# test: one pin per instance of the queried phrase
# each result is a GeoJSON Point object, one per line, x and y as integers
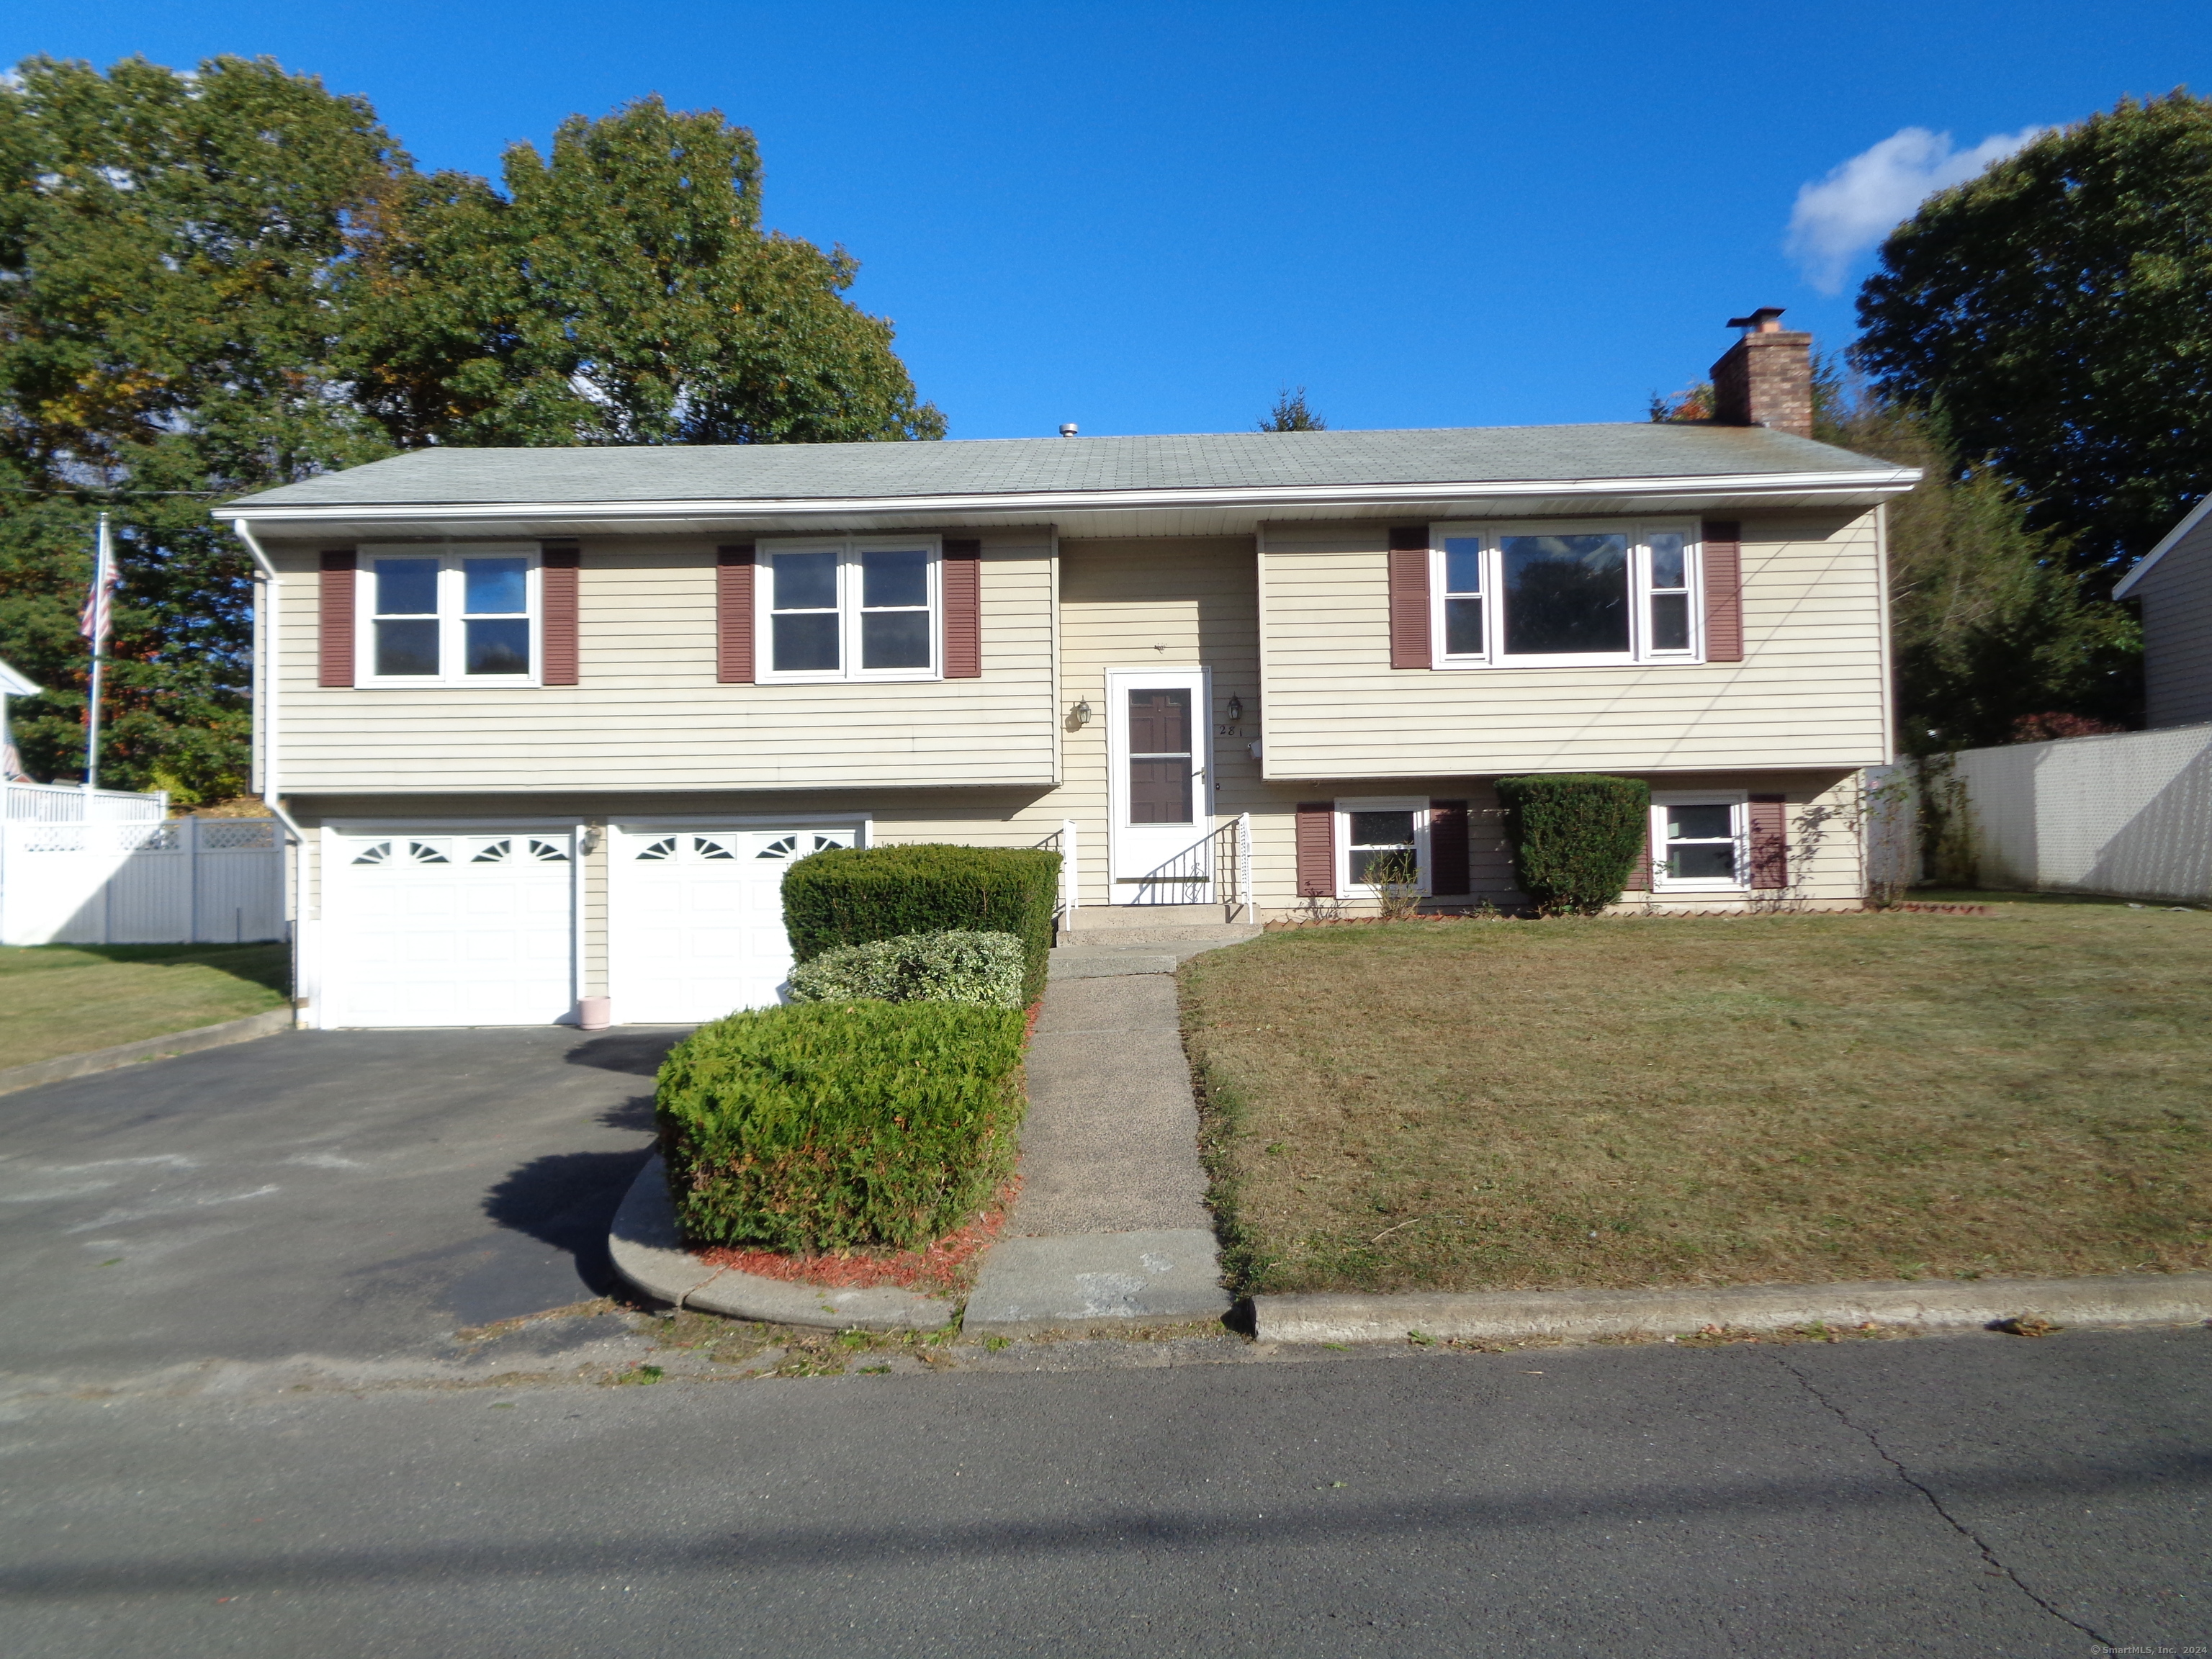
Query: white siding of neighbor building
{"type": "Point", "coordinates": [2177, 619]}
{"type": "Point", "coordinates": [2129, 814]}
{"type": "Point", "coordinates": [648, 712]}
{"type": "Point", "coordinates": [1810, 692]}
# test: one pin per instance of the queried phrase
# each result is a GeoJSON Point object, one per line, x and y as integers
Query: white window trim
{"type": "Point", "coordinates": [1639, 653]}
{"type": "Point", "coordinates": [452, 636]}
{"type": "Point", "coordinates": [1738, 801]}
{"type": "Point", "coordinates": [848, 549]}
{"type": "Point", "coordinates": [1346, 806]}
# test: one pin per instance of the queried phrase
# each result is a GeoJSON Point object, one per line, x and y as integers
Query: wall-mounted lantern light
{"type": "Point", "coordinates": [1080, 713]}
{"type": "Point", "coordinates": [1235, 710]}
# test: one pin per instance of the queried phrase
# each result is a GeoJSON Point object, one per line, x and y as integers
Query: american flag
{"type": "Point", "coordinates": [97, 620]}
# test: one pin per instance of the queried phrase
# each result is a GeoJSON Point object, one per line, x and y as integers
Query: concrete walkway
{"type": "Point", "coordinates": [1112, 1225]}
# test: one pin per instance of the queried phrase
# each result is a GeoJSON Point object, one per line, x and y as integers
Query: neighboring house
{"type": "Point", "coordinates": [12, 685]}
{"type": "Point", "coordinates": [2174, 581]}
{"type": "Point", "coordinates": [553, 722]}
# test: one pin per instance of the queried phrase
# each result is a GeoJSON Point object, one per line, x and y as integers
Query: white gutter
{"type": "Point", "coordinates": [1886, 480]}
{"type": "Point", "coordinates": [266, 663]}
{"type": "Point", "coordinates": [2141, 566]}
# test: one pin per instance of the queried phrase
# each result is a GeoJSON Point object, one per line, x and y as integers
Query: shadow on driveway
{"type": "Point", "coordinates": [568, 1200]}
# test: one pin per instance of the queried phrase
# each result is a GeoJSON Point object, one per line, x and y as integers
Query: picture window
{"type": "Point", "coordinates": [1563, 596]}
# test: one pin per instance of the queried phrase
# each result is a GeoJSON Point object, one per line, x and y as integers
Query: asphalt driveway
{"type": "Point", "coordinates": [354, 1196]}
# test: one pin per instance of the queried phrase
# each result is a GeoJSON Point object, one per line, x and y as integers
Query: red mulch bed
{"type": "Point", "coordinates": [940, 1267]}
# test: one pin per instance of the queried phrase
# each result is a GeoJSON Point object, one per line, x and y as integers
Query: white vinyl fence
{"type": "Point", "coordinates": [67, 803]}
{"type": "Point", "coordinates": [2128, 815]}
{"type": "Point", "coordinates": [179, 881]}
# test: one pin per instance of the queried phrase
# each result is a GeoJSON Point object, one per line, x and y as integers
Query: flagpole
{"type": "Point", "coordinates": [99, 579]}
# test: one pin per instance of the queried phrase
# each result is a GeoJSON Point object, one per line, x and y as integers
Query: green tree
{"type": "Point", "coordinates": [166, 339]}
{"type": "Point", "coordinates": [214, 282]}
{"type": "Point", "coordinates": [1291, 413]}
{"type": "Point", "coordinates": [620, 292]}
{"type": "Point", "coordinates": [2057, 310]}
{"type": "Point", "coordinates": [1990, 625]}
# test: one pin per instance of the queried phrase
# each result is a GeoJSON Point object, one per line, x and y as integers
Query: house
{"type": "Point", "coordinates": [12, 685]}
{"type": "Point", "coordinates": [2174, 581]}
{"type": "Point", "coordinates": [551, 723]}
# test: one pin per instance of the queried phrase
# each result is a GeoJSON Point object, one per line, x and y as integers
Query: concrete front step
{"type": "Point", "coordinates": [1081, 937]}
{"type": "Point", "coordinates": [1100, 918]}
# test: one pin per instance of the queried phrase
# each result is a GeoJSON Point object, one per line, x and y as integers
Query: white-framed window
{"type": "Point", "coordinates": [1381, 837]}
{"type": "Point", "coordinates": [1700, 841]}
{"type": "Point", "coordinates": [849, 608]}
{"type": "Point", "coordinates": [1564, 595]}
{"type": "Point", "coordinates": [451, 615]}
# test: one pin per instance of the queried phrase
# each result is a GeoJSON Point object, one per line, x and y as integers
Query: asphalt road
{"type": "Point", "coordinates": [176, 1235]}
{"type": "Point", "coordinates": [342, 1196]}
{"type": "Point", "coordinates": [1976, 1496]}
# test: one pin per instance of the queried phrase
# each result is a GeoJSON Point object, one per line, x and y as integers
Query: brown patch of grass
{"type": "Point", "coordinates": [1806, 1098]}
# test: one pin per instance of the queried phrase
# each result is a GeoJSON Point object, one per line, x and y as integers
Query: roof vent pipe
{"type": "Point", "coordinates": [1068, 429]}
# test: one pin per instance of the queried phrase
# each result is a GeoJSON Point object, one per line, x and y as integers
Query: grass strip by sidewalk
{"type": "Point", "coordinates": [58, 999]}
{"type": "Point", "coordinates": [1617, 1103]}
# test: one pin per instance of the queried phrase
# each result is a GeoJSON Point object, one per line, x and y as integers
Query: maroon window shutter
{"type": "Point", "coordinates": [1316, 849]}
{"type": "Point", "coordinates": [557, 629]}
{"type": "Point", "coordinates": [1448, 861]}
{"type": "Point", "coordinates": [1640, 872]}
{"type": "Point", "coordinates": [1770, 842]}
{"type": "Point", "coordinates": [961, 588]}
{"type": "Point", "coordinates": [1409, 596]}
{"type": "Point", "coordinates": [336, 626]}
{"type": "Point", "coordinates": [1723, 545]}
{"type": "Point", "coordinates": [733, 614]}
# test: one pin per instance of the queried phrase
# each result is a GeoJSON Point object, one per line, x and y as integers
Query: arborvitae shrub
{"type": "Point", "coordinates": [851, 896]}
{"type": "Point", "coordinates": [1575, 835]}
{"type": "Point", "coordinates": [831, 1126]}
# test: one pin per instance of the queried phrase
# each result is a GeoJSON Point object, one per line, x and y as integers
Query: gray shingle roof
{"type": "Point", "coordinates": [1023, 465]}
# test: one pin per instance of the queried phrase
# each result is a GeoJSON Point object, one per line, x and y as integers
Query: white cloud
{"type": "Point", "coordinates": [1863, 201]}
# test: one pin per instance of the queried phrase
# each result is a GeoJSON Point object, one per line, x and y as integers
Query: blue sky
{"type": "Point", "coordinates": [1148, 218]}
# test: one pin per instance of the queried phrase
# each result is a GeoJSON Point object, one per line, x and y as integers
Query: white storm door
{"type": "Point", "coordinates": [695, 920]}
{"type": "Point", "coordinates": [1160, 785]}
{"type": "Point", "coordinates": [441, 927]}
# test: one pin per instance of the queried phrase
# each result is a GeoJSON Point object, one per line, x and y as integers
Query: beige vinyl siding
{"type": "Point", "coordinates": [648, 712]}
{"type": "Point", "coordinates": [1810, 691]}
{"type": "Point", "coordinates": [2177, 618]}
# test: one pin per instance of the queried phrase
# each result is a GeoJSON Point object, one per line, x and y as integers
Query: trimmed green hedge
{"type": "Point", "coordinates": [948, 967]}
{"type": "Point", "coordinates": [831, 1126]}
{"type": "Point", "coordinates": [1575, 835]}
{"type": "Point", "coordinates": [851, 896]}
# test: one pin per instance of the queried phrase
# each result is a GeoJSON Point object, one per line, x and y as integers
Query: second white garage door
{"type": "Point", "coordinates": [695, 919]}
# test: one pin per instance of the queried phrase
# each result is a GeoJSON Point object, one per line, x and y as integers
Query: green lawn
{"type": "Point", "coordinates": [1612, 1102]}
{"type": "Point", "coordinates": [67, 999]}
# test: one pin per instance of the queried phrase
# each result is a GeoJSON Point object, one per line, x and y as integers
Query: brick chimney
{"type": "Point", "coordinates": [1766, 378]}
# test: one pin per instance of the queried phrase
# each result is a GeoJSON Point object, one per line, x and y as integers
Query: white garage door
{"type": "Point", "coordinates": [695, 919]}
{"type": "Point", "coordinates": [436, 928]}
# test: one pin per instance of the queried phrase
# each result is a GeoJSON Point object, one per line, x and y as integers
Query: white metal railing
{"type": "Point", "coordinates": [62, 803]}
{"type": "Point", "coordinates": [1062, 842]}
{"type": "Point", "coordinates": [1214, 870]}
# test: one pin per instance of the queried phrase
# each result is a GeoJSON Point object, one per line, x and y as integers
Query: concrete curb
{"type": "Point", "coordinates": [60, 1070]}
{"type": "Point", "coordinates": [1080, 1281]}
{"type": "Point", "coordinates": [648, 1253]}
{"type": "Point", "coordinates": [1951, 1304]}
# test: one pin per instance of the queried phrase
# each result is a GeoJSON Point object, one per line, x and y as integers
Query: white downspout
{"type": "Point", "coordinates": [267, 663]}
